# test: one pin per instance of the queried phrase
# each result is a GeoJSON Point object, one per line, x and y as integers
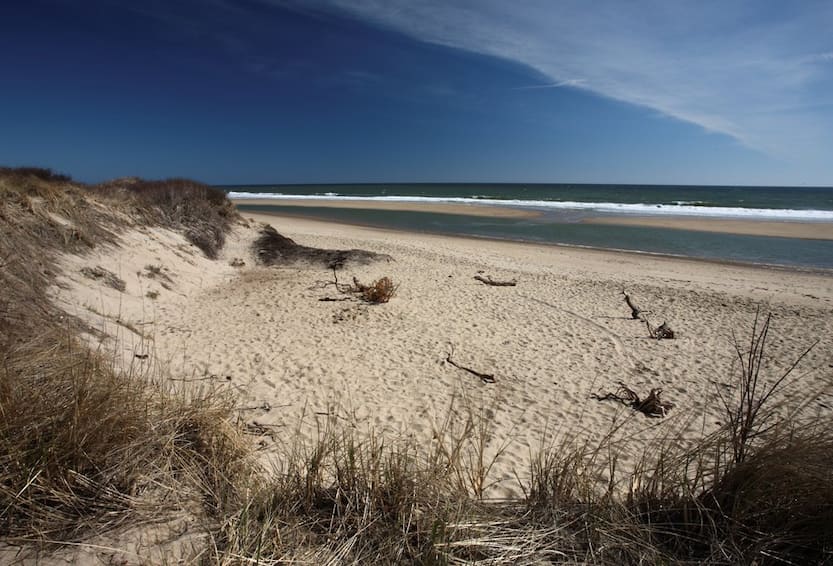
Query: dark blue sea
{"type": "Point", "coordinates": [564, 206]}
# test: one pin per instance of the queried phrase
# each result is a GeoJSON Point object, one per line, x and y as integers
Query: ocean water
{"type": "Point", "coordinates": [564, 206]}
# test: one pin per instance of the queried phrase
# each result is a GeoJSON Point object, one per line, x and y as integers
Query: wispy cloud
{"type": "Point", "coordinates": [821, 56]}
{"type": "Point", "coordinates": [726, 66]}
{"type": "Point", "coordinates": [559, 84]}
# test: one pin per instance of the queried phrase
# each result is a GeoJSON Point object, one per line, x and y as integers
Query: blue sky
{"type": "Point", "coordinates": [268, 91]}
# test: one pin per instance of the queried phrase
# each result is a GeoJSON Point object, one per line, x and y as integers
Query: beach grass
{"type": "Point", "coordinates": [88, 449]}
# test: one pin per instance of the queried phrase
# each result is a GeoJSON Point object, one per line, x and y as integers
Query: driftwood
{"type": "Point", "coordinates": [635, 311]}
{"type": "Point", "coordinates": [661, 332]}
{"type": "Point", "coordinates": [484, 377]}
{"type": "Point", "coordinates": [489, 281]}
{"type": "Point", "coordinates": [651, 406]}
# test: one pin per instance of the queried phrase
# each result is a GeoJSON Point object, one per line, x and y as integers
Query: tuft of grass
{"type": "Point", "coordinates": [345, 497]}
{"type": "Point", "coordinates": [356, 498]}
{"type": "Point", "coordinates": [750, 415]}
{"type": "Point", "coordinates": [85, 449]}
{"type": "Point", "coordinates": [759, 489]}
{"type": "Point", "coordinates": [108, 277]}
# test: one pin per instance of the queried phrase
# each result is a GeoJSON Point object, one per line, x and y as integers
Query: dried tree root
{"type": "Point", "coordinates": [635, 311]}
{"type": "Point", "coordinates": [661, 332]}
{"type": "Point", "coordinates": [651, 406]}
{"type": "Point", "coordinates": [484, 377]}
{"type": "Point", "coordinates": [489, 281]}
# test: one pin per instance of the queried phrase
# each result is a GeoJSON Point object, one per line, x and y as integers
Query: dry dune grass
{"type": "Point", "coordinates": [353, 498]}
{"type": "Point", "coordinates": [202, 213]}
{"type": "Point", "coordinates": [85, 449]}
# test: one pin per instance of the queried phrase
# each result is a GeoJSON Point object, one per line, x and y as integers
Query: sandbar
{"type": "Point", "coordinates": [780, 229]}
{"type": "Point", "coordinates": [436, 208]}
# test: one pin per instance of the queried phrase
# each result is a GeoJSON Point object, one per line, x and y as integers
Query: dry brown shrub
{"type": "Point", "coordinates": [380, 291]}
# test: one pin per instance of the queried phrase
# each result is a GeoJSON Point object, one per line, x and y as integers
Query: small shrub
{"type": "Point", "coordinates": [380, 291]}
{"type": "Point", "coordinates": [153, 270]}
{"type": "Point", "coordinates": [157, 272]}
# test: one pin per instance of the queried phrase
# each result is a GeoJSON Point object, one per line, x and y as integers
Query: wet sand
{"type": "Point", "coordinates": [437, 208]}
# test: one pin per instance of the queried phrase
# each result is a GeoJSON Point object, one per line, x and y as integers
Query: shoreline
{"type": "Point", "coordinates": [264, 216]}
{"type": "Point", "coordinates": [797, 229]}
{"type": "Point", "coordinates": [484, 210]}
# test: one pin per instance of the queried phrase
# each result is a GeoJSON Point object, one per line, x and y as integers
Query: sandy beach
{"type": "Point", "coordinates": [558, 337]}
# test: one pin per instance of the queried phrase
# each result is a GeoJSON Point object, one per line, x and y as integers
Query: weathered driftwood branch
{"type": "Point", "coordinates": [489, 281]}
{"type": "Point", "coordinates": [661, 332]}
{"type": "Point", "coordinates": [651, 406]}
{"type": "Point", "coordinates": [635, 311]}
{"type": "Point", "coordinates": [484, 377]}
{"type": "Point", "coordinates": [340, 287]}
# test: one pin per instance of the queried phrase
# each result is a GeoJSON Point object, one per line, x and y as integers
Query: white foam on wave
{"type": "Point", "coordinates": [640, 209]}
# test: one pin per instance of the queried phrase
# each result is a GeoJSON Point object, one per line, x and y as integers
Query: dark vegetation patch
{"type": "Point", "coordinates": [273, 248]}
